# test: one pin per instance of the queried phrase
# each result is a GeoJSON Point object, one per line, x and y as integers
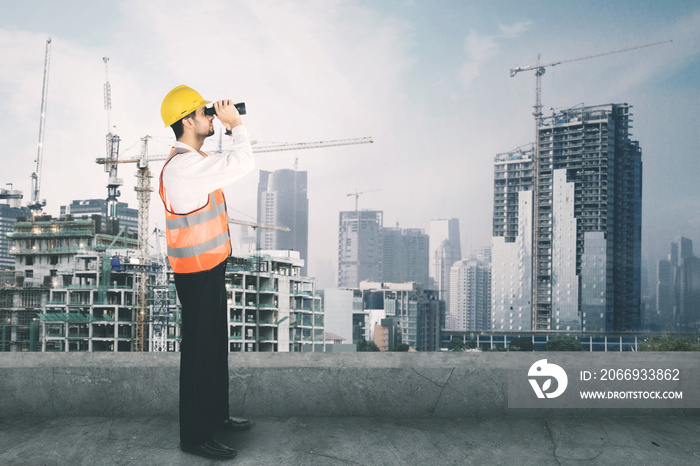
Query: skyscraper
{"type": "Point", "coordinates": [689, 306]}
{"type": "Point", "coordinates": [511, 253]}
{"type": "Point", "coordinates": [664, 291]}
{"type": "Point", "coordinates": [681, 248]}
{"type": "Point", "coordinates": [404, 256]}
{"type": "Point", "coordinates": [445, 250]}
{"type": "Point", "coordinates": [282, 202]}
{"type": "Point", "coordinates": [470, 296]}
{"type": "Point", "coordinates": [359, 247]}
{"type": "Point", "coordinates": [587, 223]}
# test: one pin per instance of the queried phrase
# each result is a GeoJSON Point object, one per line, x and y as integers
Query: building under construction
{"type": "Point", "coordinates": [573, 265]}
{"type": "Point", "coordinates": [77, 288]}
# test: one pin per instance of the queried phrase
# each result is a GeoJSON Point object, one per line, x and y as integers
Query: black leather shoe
{"type": "Point", "coordinates": [233, 423]}
{"type": "Point", "coordinates": [212, 449]}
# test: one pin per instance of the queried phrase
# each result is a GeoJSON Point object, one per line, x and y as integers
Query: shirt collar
{"type": "Point", "coordinates": [184, 146]}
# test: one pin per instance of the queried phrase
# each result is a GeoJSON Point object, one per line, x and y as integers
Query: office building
{"type": "Point", "coordinates": [359, 247]}
{"type": "Point", "coordinates": [9, 213]}
{"type": "Point", "coordinates": [404, 255]}
{"type": "Point", "coordinates": [664, 292]}
{"type": "Point", "coordinates": [283, 202]}
{"type": "Point", "coordinates": [445, 250]}
{"type": "Point", "coordinates": [689, 305]}
{"type": "Point", "coordinates": [681, 248]}
{"type": "Point", "coordinates": [584, 220]}
{"type": "Point", "coordinates": [470, 296]}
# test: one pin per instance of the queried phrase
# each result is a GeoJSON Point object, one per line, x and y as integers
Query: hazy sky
{"type": "Point", "coordinates": [428, 80]}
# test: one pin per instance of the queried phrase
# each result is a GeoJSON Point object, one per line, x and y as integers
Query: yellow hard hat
{"type": "Point", "coordinates": [179, 103]}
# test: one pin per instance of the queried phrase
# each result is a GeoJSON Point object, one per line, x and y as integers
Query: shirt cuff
{"type": "Point", "coordinates": [239, 130]}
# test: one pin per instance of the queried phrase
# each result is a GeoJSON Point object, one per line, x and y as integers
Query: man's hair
{"type": "Point", "coordinates": [177, 127]}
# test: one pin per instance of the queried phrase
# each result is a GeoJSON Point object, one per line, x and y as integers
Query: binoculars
{"type": "Point", "coordinates": [239, 106]}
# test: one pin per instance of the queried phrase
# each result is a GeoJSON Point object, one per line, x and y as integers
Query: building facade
{"type": "Point", "coordinates": [283, 202]}
{"type": "Point", "coordinates": [272, 306]}
{"type": "Point", "coordinates": [511, 250]}
{"type": "Point", "coordinates": [404, 256]}
{"type": "Point", "coordinates": [360, 252]}
{"type": "Point", "coordinates": [9, 213]}
{"type": "Point", "coordinates": [445, 250]}
{"type": "Point", "coordinates": [470, 296]}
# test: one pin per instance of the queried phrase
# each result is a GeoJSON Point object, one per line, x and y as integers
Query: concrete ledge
{"type": "Point", "coordinates": [283, 385]}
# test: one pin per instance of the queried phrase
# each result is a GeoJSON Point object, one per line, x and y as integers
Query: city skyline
{"type": "Point", "coordinates": [430, 85]}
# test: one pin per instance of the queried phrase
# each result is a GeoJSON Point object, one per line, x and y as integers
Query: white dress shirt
{"type": "Point", "coordinates": [189, 178]}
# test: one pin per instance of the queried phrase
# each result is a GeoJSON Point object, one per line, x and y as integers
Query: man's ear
{"type": "Point", "coordinates": [187, 123]}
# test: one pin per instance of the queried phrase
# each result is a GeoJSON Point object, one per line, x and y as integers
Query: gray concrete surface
{"type": "Point", "coordinates": [384, 385]}
{"type": "Point", "coordinates": [643, 440]}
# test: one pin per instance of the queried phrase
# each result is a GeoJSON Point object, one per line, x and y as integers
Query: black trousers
{"type": "Point", "coordinates": [203, 353]}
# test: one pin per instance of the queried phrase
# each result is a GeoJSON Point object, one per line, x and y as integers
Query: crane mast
{"type": "Point", "coordinates": [112, 153]}
{"type": "Point", "coordinates": [35, 204]}
{"type": "Point", "coordinates": [143, 193]}
{"type": "Point", "coordinates": [541, 280]}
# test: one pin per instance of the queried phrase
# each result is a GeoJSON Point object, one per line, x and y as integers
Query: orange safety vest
{"type": "Point", "coordinates": [198, 240]}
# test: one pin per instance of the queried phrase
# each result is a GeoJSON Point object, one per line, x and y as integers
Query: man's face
{"type": "Point", "coordinates": [203, 124]}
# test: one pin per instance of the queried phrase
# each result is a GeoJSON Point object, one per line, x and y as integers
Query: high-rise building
{"type": "Point", "coordinates": [445, 250]}
{"type": "Point", "coordinates": [404, 256]}
{"type": "Point", "coordinates": [88, 207]}
{"type": "Point", "coordinates": [470, 296]}
{"type": "Point", "coordinates": [681, 248]}
{"type": "Point", "coordinates": [282, 202]}
{"type": "Point", "coordinates": [689, 305]}
{"type": "Point", "coordinates": [359, 247]}
{"type": "Point", "coordinates": [585, 223]}
{"type": "Point", "coordinates": [664, 291]}
{"type": "Point", "coordinates": [9, 213]}
{"type": "Point", "coordinates": [511, 252]}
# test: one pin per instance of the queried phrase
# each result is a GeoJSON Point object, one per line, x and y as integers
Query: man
{"type": "Point", "coordinates": [198, 243]}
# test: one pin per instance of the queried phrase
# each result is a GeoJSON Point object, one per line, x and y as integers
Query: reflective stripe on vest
{"type": "Point", "coordinates": [198, 240]}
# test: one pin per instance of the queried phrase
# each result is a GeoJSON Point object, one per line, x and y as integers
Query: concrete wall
{"type": "Point", "coordinates": [396, 385]}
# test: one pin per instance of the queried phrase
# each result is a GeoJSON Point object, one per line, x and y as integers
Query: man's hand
{"type": "Point", "coordinates": [227, 113]}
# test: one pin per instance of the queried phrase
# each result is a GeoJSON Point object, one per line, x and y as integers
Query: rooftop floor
{"type": "Point", "coordinates": [669, 440]}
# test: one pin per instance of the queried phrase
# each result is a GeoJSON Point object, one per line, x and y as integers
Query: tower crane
{"type": "Point", "coordinates": [540, 299]}
{"type": "Point", "coordinates": [143, 189]}
{"type": "Point", "coordinates": [35, 204]}
{"type": "Point", "coordinates": [357, 195]}
{"type": "Point", "coordinates": [112, 152]}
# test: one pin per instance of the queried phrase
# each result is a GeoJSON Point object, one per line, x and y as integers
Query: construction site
{"type": "Point", "coordinates": [79, 289]}
{"type": "Point", "coordinates": [82, 283]}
